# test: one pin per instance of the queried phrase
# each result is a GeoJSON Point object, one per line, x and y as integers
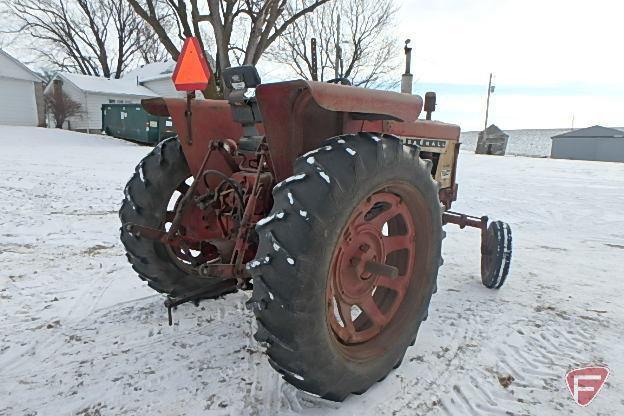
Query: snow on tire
{"type": "Point", "coordinates": [146, 196]}
{"type": "Point", "coordinates": [496, 261]}
{"type": "Point", "coordinates": [326, 219]}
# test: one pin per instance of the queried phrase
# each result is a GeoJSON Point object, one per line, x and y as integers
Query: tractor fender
{"type": "Point", "coordinates": [211, 119]}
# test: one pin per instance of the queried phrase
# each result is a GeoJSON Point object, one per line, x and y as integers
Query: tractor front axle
{"type": "Point", "coordinates": [464, 220]}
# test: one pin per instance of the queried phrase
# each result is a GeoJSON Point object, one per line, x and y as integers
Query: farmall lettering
{"type": "Point", "coordinates": [426, 144]}
{"type": "Point", "coordinates": [441, 152]}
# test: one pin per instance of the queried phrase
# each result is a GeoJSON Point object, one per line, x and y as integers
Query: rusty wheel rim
{"type": "Point", "coordinates": [371, 268]}
{"type": "Point", "coordinates": [187, 256]}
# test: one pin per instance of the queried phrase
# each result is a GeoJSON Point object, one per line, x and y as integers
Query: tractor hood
{"type": "Point", "coordinates": [376, 104]}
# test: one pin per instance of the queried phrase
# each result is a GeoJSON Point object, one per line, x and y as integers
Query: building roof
{"type": "Point", "coordinates": [591, 132]}
{"type": "Point", "coordinates": [158, 70]}
{"type": "Point", "coordinates": [100, 85]}
{"type": "Point", "coordinates": [151, 72]}
{"type": "Point", "coordinates": [18, 71]}
{"type": "Point", "coordinates": [494, 131]}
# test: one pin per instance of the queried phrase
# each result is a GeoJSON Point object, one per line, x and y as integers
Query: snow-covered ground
{"type": "Point", "coordinates": [80, 333]}
{"type": "Point", "coordinates": [525, 142]}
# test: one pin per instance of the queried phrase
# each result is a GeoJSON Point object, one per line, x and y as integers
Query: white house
{"type": "Point", "coordinates": [148, 81]}
{"type": "Point", "coordinates": [21, 98]}
{"type": "Point", "coordinates": [91, 92]}
{"type": "Point", "coordinates": [156, 77]}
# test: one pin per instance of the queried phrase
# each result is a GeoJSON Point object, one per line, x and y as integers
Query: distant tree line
{"type": "Point", "coordinates": [107, 37]}
{"type": "Point", "coordinates": [354, 40]}
{"type": "Point", "coordinates": [90, 37]}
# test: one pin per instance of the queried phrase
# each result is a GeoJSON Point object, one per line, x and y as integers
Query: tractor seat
{"type": "Point", "coordinates": [238, 80]}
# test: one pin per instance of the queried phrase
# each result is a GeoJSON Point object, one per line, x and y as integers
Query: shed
{"type": "Point", "coordinates": [492, 141]}
{"type": "Point", "coordinates": [592, 143]}
{"type": "Point", "coordinates": [22, 93]}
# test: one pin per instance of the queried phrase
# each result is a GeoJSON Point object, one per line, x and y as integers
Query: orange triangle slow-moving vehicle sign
{"type": "Point", "coordinates": [192, 71]}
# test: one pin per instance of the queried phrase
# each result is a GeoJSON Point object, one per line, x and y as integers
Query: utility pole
{"type": "Point", "coordinates": [487, 108]}
{"type": "Point", "coordinates": [337, 73]}
{"type": "Point", "coordinates": [314, 60]}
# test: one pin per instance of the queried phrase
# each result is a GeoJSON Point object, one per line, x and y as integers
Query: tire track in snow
{"type": "Point", "coordinates": [457, 323]}
{"type": "Point", "coordinates": [536, 361]}
{"type": "Point", "coordinates": [263, 395]}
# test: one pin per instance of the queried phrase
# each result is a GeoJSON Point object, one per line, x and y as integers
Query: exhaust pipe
{"type": "Point", "coordinates": [407, 79]}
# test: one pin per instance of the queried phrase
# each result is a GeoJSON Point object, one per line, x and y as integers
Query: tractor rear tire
{"type": "Point", "coordinates": [305, 269]}
{"type": "Point", "coordinates": [147, 195]}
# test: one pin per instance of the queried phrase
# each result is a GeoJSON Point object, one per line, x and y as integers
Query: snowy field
{"type": "Point", "coordinates": [81, 335]}
{"type": "Point", "coordinates": [530, 142]}
{"type": "Point", "coordinates": [526, 142]}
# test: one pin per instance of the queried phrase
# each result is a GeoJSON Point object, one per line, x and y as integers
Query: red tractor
{"type": "Point", "coordinates": [326, 200]}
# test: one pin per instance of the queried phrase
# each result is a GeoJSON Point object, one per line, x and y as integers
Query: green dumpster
{"type": "Point", "coordinates": [132, 122]}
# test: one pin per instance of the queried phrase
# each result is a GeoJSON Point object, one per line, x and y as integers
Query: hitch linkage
{"type": "Point", "coordinates": [210, 292]}
{"type": "Point", "coordinates": [172, 303]}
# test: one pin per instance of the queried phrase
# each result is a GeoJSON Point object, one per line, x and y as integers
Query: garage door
{"type": "Point", "coordinates": [18, 106]}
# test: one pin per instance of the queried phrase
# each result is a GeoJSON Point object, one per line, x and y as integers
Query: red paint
{"type": "Point", "coordinates": [351, 281]}
{"type": "Point", "coordinates": [297, 117]}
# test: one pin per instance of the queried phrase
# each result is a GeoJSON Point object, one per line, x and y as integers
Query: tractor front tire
{"type": "Point", "coordinates": [347, 263]}
{"type": "Point", "coordinates": [146, 198]}
{"type": "Point", "coordinates": [496, 260]}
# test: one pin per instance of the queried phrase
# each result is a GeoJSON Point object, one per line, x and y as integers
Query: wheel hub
{"type": "Point", "coordinates": [356, 250]}
{"type": "Point", "coordinates": [366, 283]}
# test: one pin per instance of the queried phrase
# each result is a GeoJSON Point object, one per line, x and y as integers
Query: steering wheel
{"type": "Point", "coordinates": [341, 81]}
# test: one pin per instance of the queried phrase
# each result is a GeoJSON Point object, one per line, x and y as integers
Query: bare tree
{"type": "Point", "coordinates": [47, 75]}
{"type": "Point", "coordinates": [242, 29]}
{"type": "Point", "coordinates": [61, 106]}
{"type": "Point", "coordinates": [101, 38]}
{"type": "Point", "coordinates": [152, 50]}
{"type": "Point", "coordinates": [368, 50]}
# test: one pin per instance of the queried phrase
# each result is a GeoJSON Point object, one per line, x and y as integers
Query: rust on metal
{"type": "Point", "coordinates": [155, 106]}
{"type": "Point", "coordinates": [292, 110]}
{"type": "Point", "coordinates": [187, 198]}
{"type": "Point", "coordinates": [423, 129]}
{"type": "Point", "coordinates": [147, 232]}
{"type": "Point", "coordinates": [212, 120]}
{"type": "Point", "coordinates": [297, 116]}
{"type": "Point", "coordinates": [241, 245]}
{"type": "Point", "coordinates": [348, 99]}
{"type": "Point", "coordinates": [464, 220]}
{"type": "Point", "coordinates": [360, 275]}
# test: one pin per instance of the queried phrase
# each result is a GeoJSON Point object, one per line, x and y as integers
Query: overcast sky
{"type": "Point", "coordinates": [552, 59]}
